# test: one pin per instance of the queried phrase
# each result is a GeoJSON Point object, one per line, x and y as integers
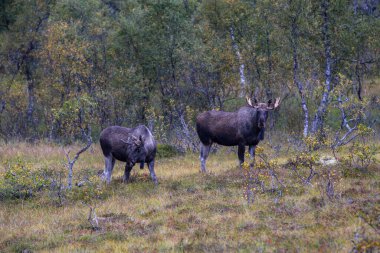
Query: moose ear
{"type": "Point", "coordinates": [137, 140]}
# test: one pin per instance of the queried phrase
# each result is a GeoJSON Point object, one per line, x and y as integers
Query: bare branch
{"type": "Point", "coordinates": [341, 141]}
{"type": "Point", "coordinates": [272, 171]}
{"type": "Point", "coordinates": [71, 162]}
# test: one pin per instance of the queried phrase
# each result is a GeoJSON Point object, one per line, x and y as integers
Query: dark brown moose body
{"type": "Point", "coordinates": [245, 127]}
{"type": "Point", "coordinates": [130, 145]}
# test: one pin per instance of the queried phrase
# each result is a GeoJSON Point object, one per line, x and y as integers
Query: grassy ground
{"type": "Point", "coordinates": [188, 211]}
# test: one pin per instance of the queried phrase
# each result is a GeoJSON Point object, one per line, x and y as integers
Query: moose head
{"type": "Point", "coordinates": [262, 110]}
{"type": "Point", "coordinates": [134, 148]}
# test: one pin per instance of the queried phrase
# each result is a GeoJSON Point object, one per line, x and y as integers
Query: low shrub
{"type": "Point", "coordinates": [167, 151]}
{"type": "Point", "coordinates": [20, 182]}
{"type": "Point", "coordinates": [361, 156]}
{"type": "Point", "coordinates": [88, 190]}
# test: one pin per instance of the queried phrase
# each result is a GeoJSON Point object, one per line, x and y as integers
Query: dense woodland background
{"type": "Point", "coordinates": [68, 65]}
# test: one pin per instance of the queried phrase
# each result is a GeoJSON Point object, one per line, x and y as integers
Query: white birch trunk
{"type": "Point", "coordinates": [241, 64]}
{"type": "Point", "coordinates": [318, 118]}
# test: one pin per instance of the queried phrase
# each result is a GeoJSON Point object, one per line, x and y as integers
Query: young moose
{"type": "Point", "coordinates": [130, 145]}
{"type": "Point", "coordinates": [245, 127]}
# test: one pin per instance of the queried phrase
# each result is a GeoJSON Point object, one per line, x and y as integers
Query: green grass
{"type": "Point", "coordinates": [188, 211]}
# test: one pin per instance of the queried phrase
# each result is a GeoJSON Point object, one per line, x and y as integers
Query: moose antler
{"type": "Point", "coordinates": [133, 139]}
{"type": "Point", "coordinates": [126, 142]}
{"type": "Point", "coordinates": [248, 100]}
{"type": "Point", "coordinates": [276, 104]}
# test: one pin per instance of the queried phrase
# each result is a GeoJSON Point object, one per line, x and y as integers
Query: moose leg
{"type": "Point", "coordinates": [241, 151]}
{"type": "Point", "coordinates": [127, 172]}
{"type": "Point", "coordinates": [110, 163]}
{"type": "Point", "coordinates": [252, 149]}
{"type": "Point", "coordinates": [205, 149]}
{"type": "Point", "coordinates": [142, 165]}
{"type": "Point", "coordinates": [152, 174]}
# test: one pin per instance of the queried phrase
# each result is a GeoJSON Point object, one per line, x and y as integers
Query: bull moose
{"type": "Point", "coordinates": [130, 145]}
{"type": "Point", "coordinates": [245, 127]}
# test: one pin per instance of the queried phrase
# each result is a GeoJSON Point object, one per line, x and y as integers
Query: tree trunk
{"type": "Point", "coordinates": [293, 41]}
{"type": "Point", "coordinates": [358, 77]}
{"type": "Point", "coordinates": [355, 5]}
{"type": "Point", "coordinates": [344, 122]}
{"type": "Point", "coordinates": [268, 90]}
{"type": "Point", "coordinates": [319, 115]}
{"type": "Point", "coordinates": [186, 5]}
{"type": "Point", "coordinates": [241, 63]}
{"type": "Point", "coordinates": [70, 175]}
{"type": "Point", "coordinates": [28, 61]}
{"type": "Point", "coordinates": [2, 102]}
{"type": "Point", "coordinates": [30, 109]}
